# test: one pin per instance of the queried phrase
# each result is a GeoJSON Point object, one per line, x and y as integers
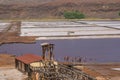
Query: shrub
{"type": "Point", "coordinates": [73, 15]}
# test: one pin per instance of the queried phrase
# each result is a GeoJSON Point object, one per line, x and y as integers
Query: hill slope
{"type": "Point", "coordinates": [55, 8]}
{"type": "Point", "coordinates": [27, 2]}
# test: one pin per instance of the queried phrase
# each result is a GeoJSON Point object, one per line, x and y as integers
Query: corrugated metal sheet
{"type": "Point", "coordinates": [29, 58]}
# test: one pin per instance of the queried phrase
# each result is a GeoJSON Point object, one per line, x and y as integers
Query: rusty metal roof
{"type": "Point", "coordinates": [29, 58]}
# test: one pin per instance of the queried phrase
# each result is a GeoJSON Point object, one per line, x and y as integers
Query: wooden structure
{"type": "Point", "coordinates": [47, 50]}
{"type": "Point", "coordinates": [46, 68]}
{"type": "Point", "coordinates": [49, 69]}
{"type": "Point", "coordinates": [22, 63]}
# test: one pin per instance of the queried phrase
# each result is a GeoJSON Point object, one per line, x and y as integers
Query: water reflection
{"type": "Point", "coordinates": [90, 50]}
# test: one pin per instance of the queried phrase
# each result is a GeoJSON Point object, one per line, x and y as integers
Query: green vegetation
{"type": "Point", "coordinates": [119, 13]}
{"type": "Point", "coordinates": [73, 15]}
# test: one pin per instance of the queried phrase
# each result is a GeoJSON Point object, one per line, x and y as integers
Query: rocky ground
{"type": "Point", "coordinates": [37, 9]}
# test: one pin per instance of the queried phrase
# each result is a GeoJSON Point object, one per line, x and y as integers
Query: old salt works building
{"type": "Point", "coordinates": [23, 62]}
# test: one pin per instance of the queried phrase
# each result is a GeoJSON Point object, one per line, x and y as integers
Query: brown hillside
{"type": "Point", "coordinates": [56, 8]}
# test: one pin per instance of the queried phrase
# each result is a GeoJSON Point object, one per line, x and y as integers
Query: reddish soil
{"type": "Point", "coordinates": [7, 60]}
{"type": "Point", "coordinates": [103, 71]}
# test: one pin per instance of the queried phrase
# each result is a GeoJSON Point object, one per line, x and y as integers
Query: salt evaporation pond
{"type": "Point", "coordinates": [93, 50]}
{"type": "Point", "coordinates": [117, 69]}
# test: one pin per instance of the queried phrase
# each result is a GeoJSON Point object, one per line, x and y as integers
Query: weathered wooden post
{"type": "Point", "coordinates": [47, 51]}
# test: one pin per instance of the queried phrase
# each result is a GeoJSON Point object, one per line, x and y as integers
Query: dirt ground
{"type": "Point", "coordinates": [7, 60]}
{"type": "Point", "coordinates": [102, 71]}
{"type": "Point", "coordinates": [11, 74]}
{"type": "Point", "coordinates": [7, 69]}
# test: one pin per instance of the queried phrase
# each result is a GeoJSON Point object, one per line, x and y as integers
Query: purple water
{"type": "Point", "coordinates": [92, 50]}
